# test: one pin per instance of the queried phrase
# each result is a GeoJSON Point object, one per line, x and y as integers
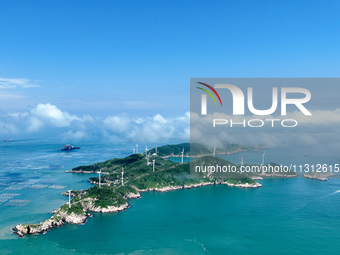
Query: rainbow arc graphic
{"type": "Point", "coordinates": [209, 93]}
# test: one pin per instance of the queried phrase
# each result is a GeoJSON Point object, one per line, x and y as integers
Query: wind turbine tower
{"type": "Point", "coordinates": [264, 153]}
{"type": "Point", "coordinates": [182, 154]}
{"type": "Point", "coordinates": [242, 162]}
{"type": "Point", "coordinates": [133, 151]}
{"type": "Point", "coordinates": [136, 148]}
{"type": "Point", "coordinates": [214, 151]}
{"type": "Point", "coordinates": [100, 178]}
{"type": "Point", "coordinates": [153, 165]}
{"type": "Point", "coordinates": [123, 176]}
{"type": "Point", "coordinates": [69, 198]}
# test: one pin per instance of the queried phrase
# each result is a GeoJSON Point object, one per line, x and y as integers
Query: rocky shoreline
{"type": "Point", "coordinates": [196, 185]}
{"type": "Point", "coordinates": [79, 172]}
{"type": "Point", "coordinates": [245, 185]}
{"type": "Point", "coordinates": [57, 220]}
{"type": "Point", "coordinates": [61, 217]}
{"type": "Point", "coordinates": [319, 176]}
{"type": "Point", "coordinates": [275, 175]}
{"type": "Point", "coordinates": [219, 153]}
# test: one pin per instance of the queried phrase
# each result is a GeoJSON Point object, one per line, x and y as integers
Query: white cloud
{"type": "Point", "coordinates": [325, 117]}
{"type": "Point", "coordinates": [159, 118]}
{"type": "Point", "coordinates": [53, 114]}
{"type": "Point", "coordinates": [117, 123]}
{"type": "Point", "coordinates": [152, 129]}
{"type": "Point", "coordinates": [9, 83]}
{"type": "Point", "coordinates": [74, 135]}
{"type": "Point", "coordinates": [318, 117]}
{"type": "Point", "coordinates": [7, 128]}
{"type": "Point", "coordinates": [18, 115]}
{"type": "Point", "coordinates": [48, 118]}
{"type": "Point", "coordinates": [35, 124]}
{"type": "Point", "coordinates": [321, 127]}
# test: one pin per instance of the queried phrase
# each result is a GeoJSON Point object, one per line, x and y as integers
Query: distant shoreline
{"type": "Point", "coordinates": [211, 154]}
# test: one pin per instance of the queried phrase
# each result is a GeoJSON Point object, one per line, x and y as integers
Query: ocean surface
{"type": "Point", "coordinates": [285, 216]}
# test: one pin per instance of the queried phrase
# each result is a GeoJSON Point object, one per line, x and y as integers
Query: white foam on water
{"type": "Point", "coordinates": [334, 192]}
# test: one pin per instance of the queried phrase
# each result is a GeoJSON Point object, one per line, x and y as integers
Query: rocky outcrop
{"type": "Point", "coordinates": [279, 175]}
{"type": "Point", "coordinates": [244, 185]}
{"type": "Point", "coordinates": [319, 176]}
{"type": "Point", "coordinates": [80, 172]}
{"type": "Point", "coordinates": [257, 178]}
{"type": "Point", "coordinates": [57, 220]}
{"type": "Point", "coordinates": [109, 209]}
{"type": "Point", "coordinates": [89, 205]}
{"type": "Point", "coordinates": [163, 189]}
{"type": "Point", "coordinates": [196, 185]}
{"type": "Point", "coordinates": [131, 195]}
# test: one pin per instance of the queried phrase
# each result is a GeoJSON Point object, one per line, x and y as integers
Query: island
{"type": "Point", "coordinates": [126, 178]}
{"type": "Point", "coordinates": [198, 150]}
{"type": "Point", "coordinates": [321, 176]}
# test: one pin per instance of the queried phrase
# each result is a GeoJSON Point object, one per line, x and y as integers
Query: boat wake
{"type": "Point", "coordinates": [333, 193]}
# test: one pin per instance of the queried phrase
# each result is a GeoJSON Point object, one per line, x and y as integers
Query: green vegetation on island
{"type": "Point", "coordinates": [196, 150]}
{"type": "Point", "coordinates": [139, 174]}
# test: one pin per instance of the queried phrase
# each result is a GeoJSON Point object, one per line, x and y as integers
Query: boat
{"type": "Point", "coordinates": [68, 147]}
{"type": "Point", "coordinates": [8, 140]}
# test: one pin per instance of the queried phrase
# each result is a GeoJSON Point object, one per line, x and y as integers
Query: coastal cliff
{"type": "Point", "coordinates": [59, 218]}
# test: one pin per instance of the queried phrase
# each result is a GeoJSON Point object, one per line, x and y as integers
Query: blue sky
{"type": "Point", "coordinates": [109, 58]}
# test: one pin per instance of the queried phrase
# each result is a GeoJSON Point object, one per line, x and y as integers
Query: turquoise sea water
{"type": "Point", "coordinates": [285, 216]}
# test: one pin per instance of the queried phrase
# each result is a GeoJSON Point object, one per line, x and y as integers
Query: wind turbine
{"type": "Point", "coordinates": [153, 165]}
{"type": "Point", "coordinates": [242, 162]}
{"type": "Point", "coordinates": [146, 149]}
{"type": "Point", "coordinates": [264, 153]}
{"type": "Point", "coordinates": [133, 151]}
{"type": "Point", "coordinates": [136, 148]}
{"type": "Point", "coordinates": [182, 154]}
{"type": "Point", "coordinates": [69, 198]}
{"type": "Point", "coordinates": [100, 178]}
{"type": "Point", "coordinates": [156, 151]}
{"type": "Point", "coordinates": [147, 159]}
{"type": "Point", "coordinates": [123, 176]}
{"type": "Point", "coordinates": [214, 151]}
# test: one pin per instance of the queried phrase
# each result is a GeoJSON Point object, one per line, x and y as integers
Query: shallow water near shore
{"type": "Point", "coordinates": [285, 216]}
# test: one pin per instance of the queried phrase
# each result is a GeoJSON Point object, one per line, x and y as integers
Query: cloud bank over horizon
{"type": "Point", "coordinates": [48, 120]}
{"type": "Point", "coordinates": [319, 131]}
